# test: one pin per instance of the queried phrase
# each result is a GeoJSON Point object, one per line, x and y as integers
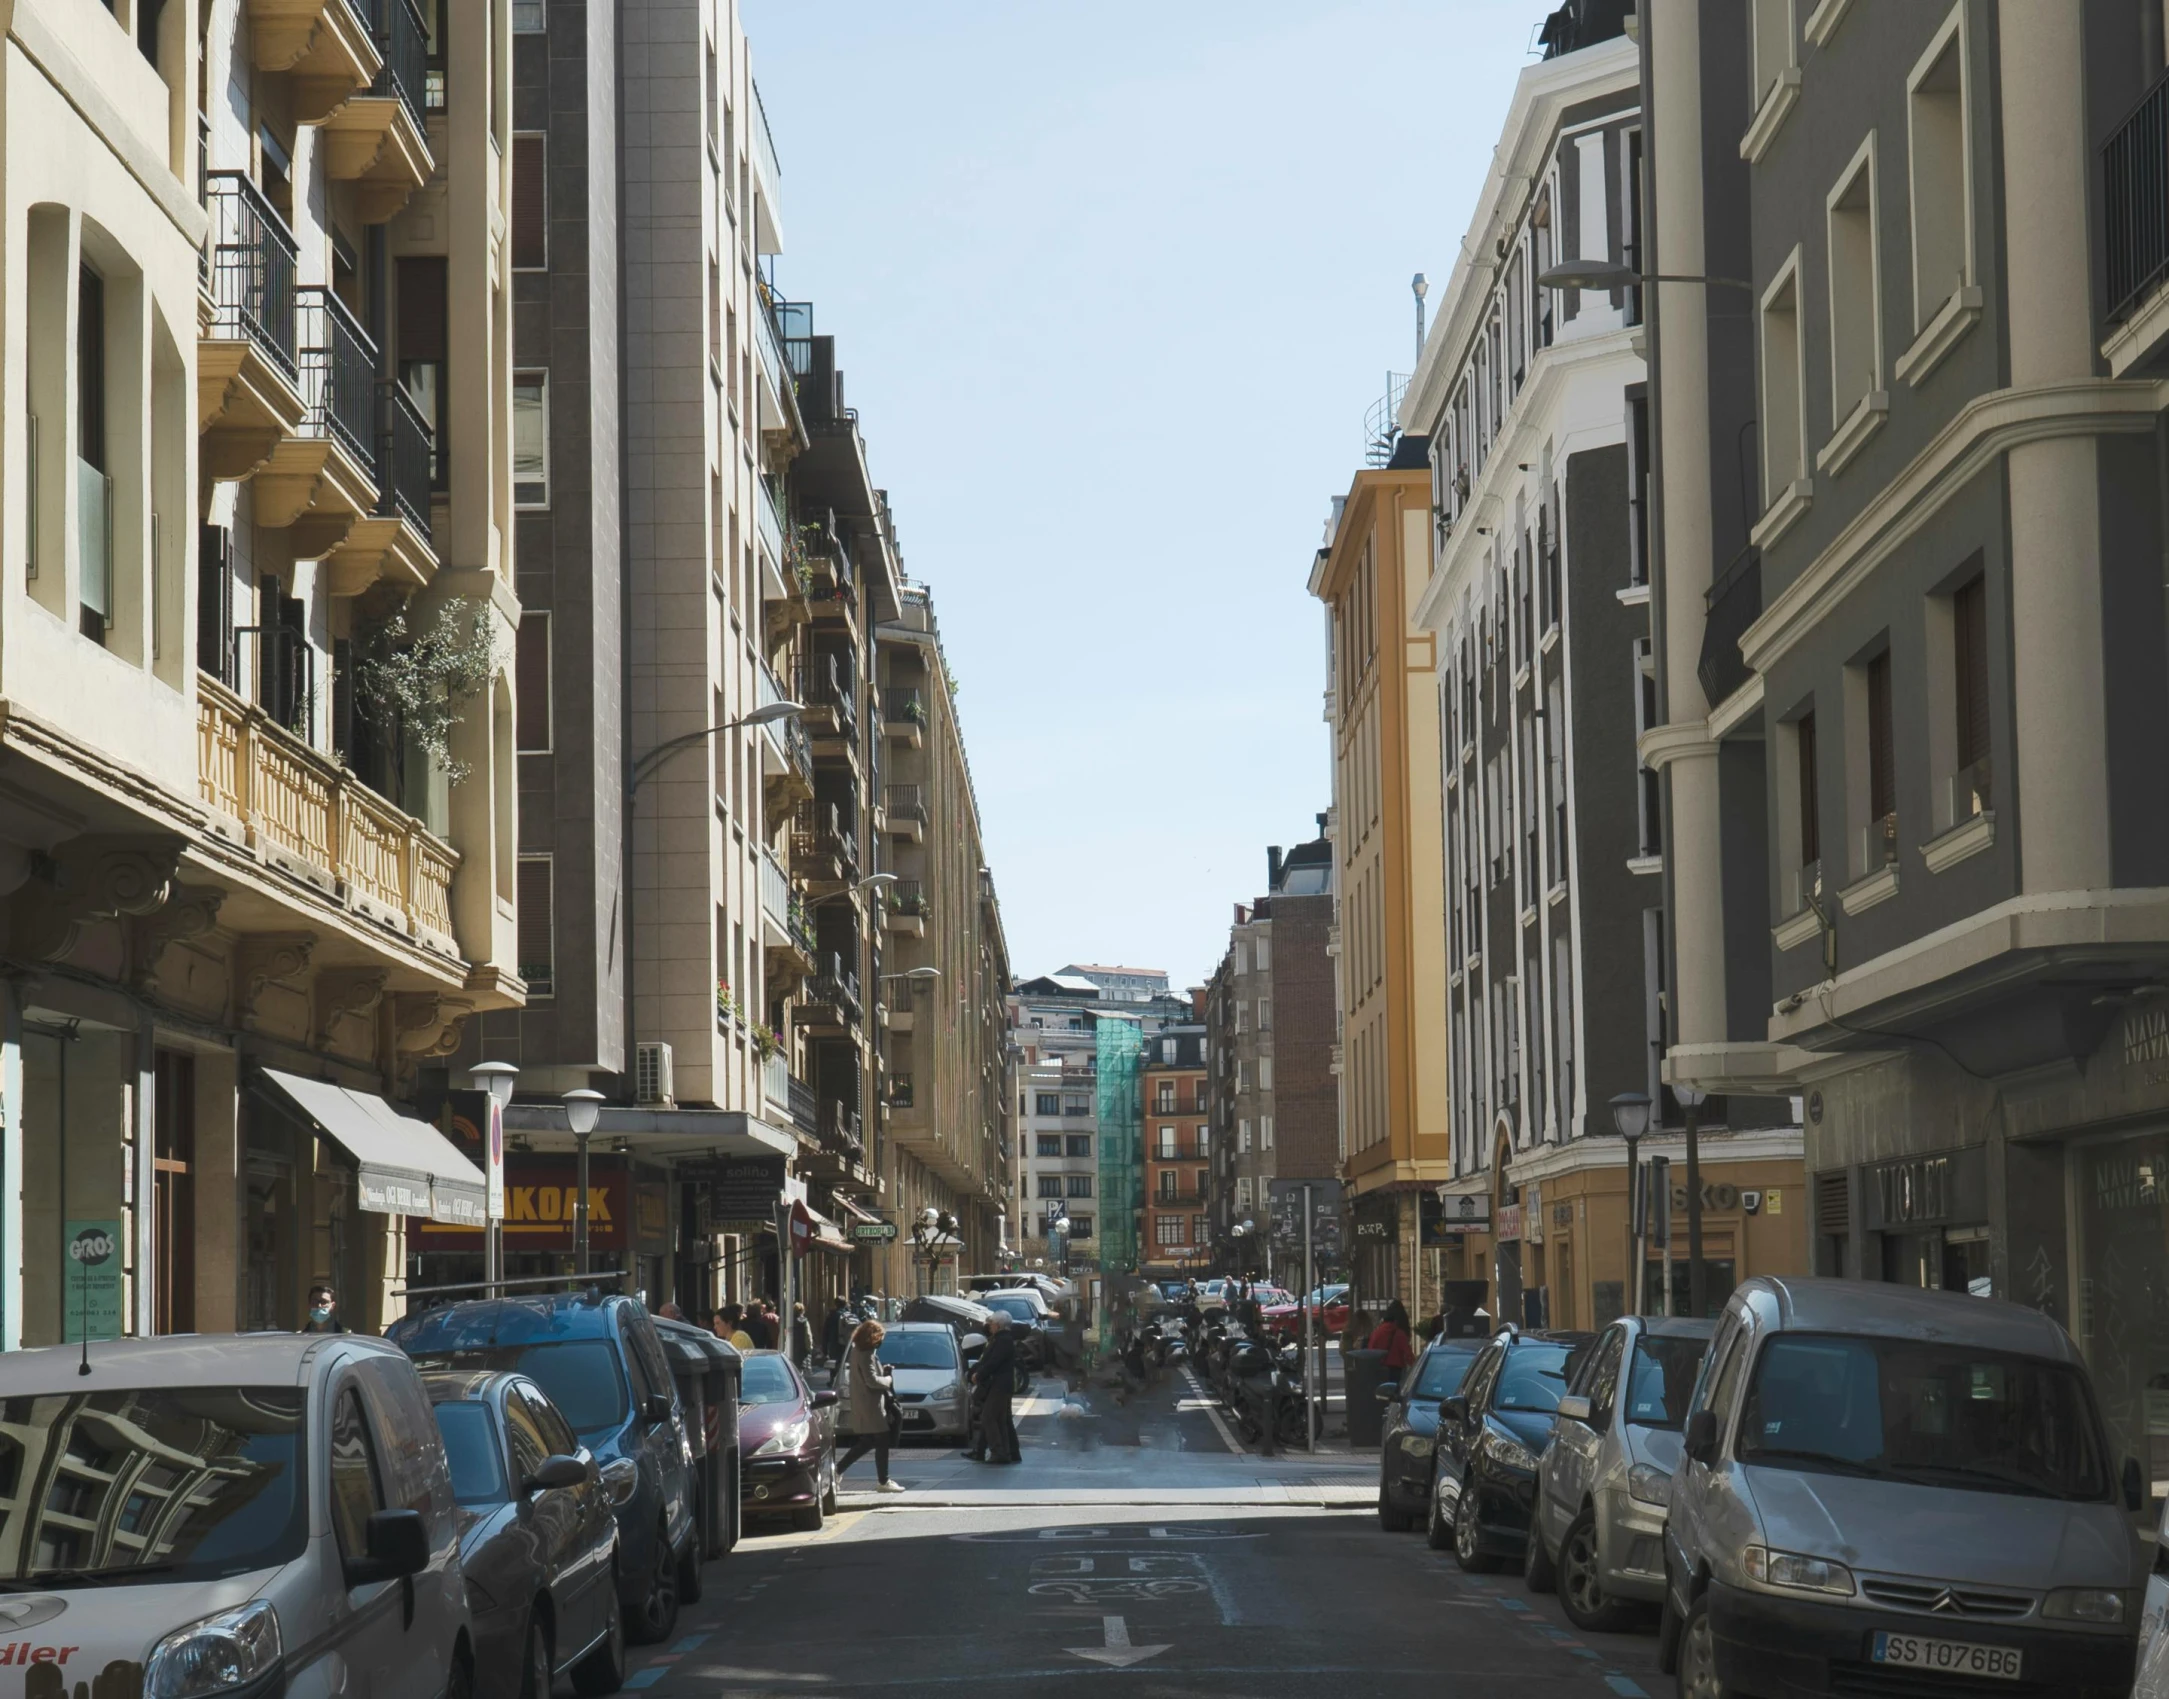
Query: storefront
{"type": "Point", "coordinates": [1381, 1229]}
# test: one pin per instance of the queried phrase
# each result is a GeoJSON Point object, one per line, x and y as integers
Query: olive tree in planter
{"type": "Point", "coordinates": [417, 675]}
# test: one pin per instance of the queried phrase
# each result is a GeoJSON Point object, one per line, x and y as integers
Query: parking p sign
{"type": "Point", "coordinates": [93, 1280]}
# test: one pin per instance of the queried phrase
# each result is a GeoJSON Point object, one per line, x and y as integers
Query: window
{"type": "Point", "coordinates": [1050, 1144]}
{"type": "Point", "coordinates": [1265, 1014]}
{"type": "Point", "coordinates": [1265, 1073]}
{"type": "Point", "coordinates": [531, 439]}
{"type": "Point", "coordinates": [1080, 1185]}
{"type": "Point", "coordinates": [1265, 953]}
{"type": "Point", "coordinates": [1167, 1230]}
{"type": "Point", "coordinates": [1937, 151]}
{"type": "Point", "coordinates": [537, 923]}
{"type": "Point", "coordinates": [1242, 1138]}
{"type": "Point", "coordinates": [1080, 1144]}
{"type": "Point", "coordinates": [1782, 437]}
{"type": "Point", "coordinates": [1048, 1104]}
{"type": "Point", "coordinates": [1856, 338]}
{"type": "Point", "coordinates": [1050, 1185]}
{"type": "Point", "coordinates": [529, 17]}
{"type": "Point", "coordinates": [93, 480]}
{"type": "Point", "coordinates": [1167, 1143]}
{"type": "Point", "coordinates": [1638, 485]}
{"type": "Point", "coordinates": [1773, 47]}
{"type": "Point", "coordinates": [1882, 843]}
{"type": "Point", "coordinates": [530, 203]}
{"type": "Point", "coordinates": [1080, 1227]}
{"type": "Point", "coordinates": [424, 347]}
{"type": "Point", "coordinates": [1811, 836]}
{"type": "Point", "coordinates": [1972, 789]}
{"type": "Point", "coordinates": [1265, 1132]}
{"type": "Point", "coordinates": [1169, 1180]}
{"type": "Point", "coordinates": [531, 673]}
{"type": "Point", "coordinates": [214, 602]}
{"type": "Point", "coordinates": [357, 1489]}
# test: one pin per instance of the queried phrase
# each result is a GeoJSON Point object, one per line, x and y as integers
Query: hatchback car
{"type": "Point", "coordinates": [600, 1361]}
{"type": "Point", "coordinates": [1888, 1490]}
{"type": "Point", "coordinates": [1490, 1435]}
{"type": "Point", "coordinates": [928, 1364]}
{"type": "Point", "coordinates": [1604, 1481]}
{"type": "Point", "coordinates": [270, 1510]}
{"type": "Point", "coordinates": [538, 1540]}
{"type": "Point", "coordinates": [1327, 1304]}
{"type": "Point", "coordinates": [1411, 1430]}
{"type": "Point", "coordinates": [786, 1442]}
{"type": "Point", "coordinates": [1029, 1315]}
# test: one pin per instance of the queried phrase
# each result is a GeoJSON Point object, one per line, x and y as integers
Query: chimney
{"type": "Point", "coordinates": [1272, 867]}
{"type": "Point", "coordinates": [1321, 825]}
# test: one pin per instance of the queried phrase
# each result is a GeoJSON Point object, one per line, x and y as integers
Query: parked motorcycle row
{"type": "Point", "coordinates": [1832, 1487]}
{"type": "Point", "coordinates": [1252, 1372]}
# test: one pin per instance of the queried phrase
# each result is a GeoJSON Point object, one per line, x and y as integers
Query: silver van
{"type": "Point", "coordinates": [239, 1516]}
{"type": "Point", "coordinates": [1884, 1490]}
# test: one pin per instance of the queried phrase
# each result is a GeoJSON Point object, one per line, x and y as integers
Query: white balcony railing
{"type": "Point", "coordinates": [768, 526]}
{"type": "Point", "coordinates": [775, 896]}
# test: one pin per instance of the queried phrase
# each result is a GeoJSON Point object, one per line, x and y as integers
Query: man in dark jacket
{"type": "Point", "coordinates": [996, 1377]}
{"type": "Point", "coordinates": [323, 1312]}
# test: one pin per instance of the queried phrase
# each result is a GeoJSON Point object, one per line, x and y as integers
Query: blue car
{"type": "Point", "coordinates": [601, 1363]}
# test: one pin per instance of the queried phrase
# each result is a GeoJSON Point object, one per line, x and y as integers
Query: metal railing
{"type": "Point", "coordinates": [1731, 605]}
{"type": "Point", "coordinates": [904, 703]}
{"type": "Point", "coordinates": [768, 526]}
{"type": "Point", "coordinates": [805, 1113]}
{"type": "Point", "coordinates": [2135, 201]}
{"type": "Point", "coordinates": [338, 372]}
{"type": "Point", "coordinates": [253, 260]}
{"type": "Point", "coordinates": [770, 343]}
{"type": "Point", "coordinates": [840, 1133]}
{"type": "Point", "coordinates": [764, 145]}
{"type": "Point", "coordinates": [404, 451]}
{"type": "Point", "coordinates": [905, 802]}
{"type": "Point", "coordinates": [838, 987]}
{"type": "Point", "coordinates": [821, 684]}
{"type": "Point", "coordinates": [403, 44]}
{"type": "Point", "coordinates": [908, 896]}
{"type": "Point", "coordinates": [775, 892]}
{"type": "Point", "coordinates": [788, 736]}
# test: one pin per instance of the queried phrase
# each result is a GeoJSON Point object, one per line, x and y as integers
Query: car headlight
{"type": "Point", "coordinates": [1792, 1573]}
{"type": "Point", "coordinates": [2104, 1605]}
{"type": "Point", "coordinates": [621, 1478]}
{"type": "Point", "coordinates": [790, 1437]}
{"type": "Point", "coordinates": [1417, 1445]}
{"type": "Point", "coordinates": [1648, 1484]}
{"type": "Point", "coordinates": [1513, 1454]}
{"type": "Point", "coordinates": [216, 1655]}
{"type": "Point", "coordinates": [948, 1391]}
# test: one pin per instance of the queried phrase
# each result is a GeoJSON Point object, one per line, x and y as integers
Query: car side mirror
{"type": "Point", "coordinates": [1454, 1409]}
{"type": "Point", "coordinates": [1700, 1440]}
{"type": "Point", "coordinates": [395, 1544]}
{"type": "Point", "coordinates": [1390, 1393]}
{"type": "Point", "coordinates": [1574, 1408]}
{"type": "Point", "coordinates": [656, 1407]}
{"type": "Point", "coordinates": [556, 1472]}
{"type": "Point", "coordinates": [2134, 1485]}
{"type": "Point", "coordinates": [826, 1400]}
{"type": "Point", "coordinates": [973, 1342]}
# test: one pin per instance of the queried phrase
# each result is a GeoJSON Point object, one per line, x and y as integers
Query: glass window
{"type": "Point", "coordinates": [1080, 1144]}
{"type": "Point", "coordinates": [933, 1349]}
{"type": "Point", "coordinates": [531, 439]}
{"type": "Point", "coordinates": [1080, 1185]}
{"type": "Point", "coordinates": [470, 1447]}
{"type": "Point", "coordinates": [580, 1376]}
{"type": "Point", "coordinates": [1534, 1376]}
{"type": "Point", "coordinates": [1050, 1144]}
{"type": "Point", "coordinates": [1440, 1371]}
{"type": "Point", "coordinates": [1665, 1367]}
{"type": "Point", "coordinates": [1080, 1227]}
{"type": "Point", "coordinates": [1050, 1185]}
{"type": "Point", "coordinates": [1722, 1391]}
{"type": "Point", "coordinates": [1049, 1104]}
{"type": "Point", "coordinates": [529, 1448]}
{"type": "Point", "coordinates": [357, 1486]}
{"type": "Point", "coordinates": [1599, 1379]}
{"type": "Point", "coordinates": [768, 1380]}
{"type": "Point", "coordinates": [557, 1436]}
{"type": "Point", "coordinates": [1910, 1410]}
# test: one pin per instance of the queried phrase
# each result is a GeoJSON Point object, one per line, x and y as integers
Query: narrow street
{"type": "Point", "coordinates": [1131, 1548]}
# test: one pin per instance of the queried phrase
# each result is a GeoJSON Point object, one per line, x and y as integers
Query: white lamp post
{"type": "Point", "coordinates": [1630, 1116]}
{"type": "Point", "coordinates": [498, 1079]}
{"type": "Point", "coordinates": [583, 1108]}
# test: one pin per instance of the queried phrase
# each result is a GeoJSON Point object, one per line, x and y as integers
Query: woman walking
{"type": "Point", "coordinates": [867, 1383]}
{"type": "Point", "coordinates": [1391, 1337]}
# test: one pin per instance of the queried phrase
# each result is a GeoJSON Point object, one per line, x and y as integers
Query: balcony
{"type": "Point", "coordinates": [905, 808]}
{"type": "Point", "coordinates": [316, 483]}
{"type": "Point", "coordinates": [903, 715]}
{"type": "Point", "coordinates": [767, 180]}
{"type": "Point", "coordinates": [248, 366]}
{"type": "Point", "coordinates": [906, 909]}
{"type": "Point", "coordinates": [2135, 203]}
{"type": "Point", "coordinates": [805, 1116]}
{"type": "Point", "coordinates": [393, 542]}
{"type": "Point", "coordinates": [379, 141]}
{"type": "Point", "coordinates": [900, 1091]}
{"type": "Point", "coordinates": [776, 395]}
{"type": "Point", "coordinates": [312, 822]}
{"type": "Point", "coordinates": [325, 49]}
{"type": "Point", "coordinates": [786, 751]}
{"type": "Point", "coordinates": [823, 851]}
{"type": "Point", "coordinates": [775, 902]}
{"type": "Point", "coordinates": [776, 1083]}
{"type": "Point", "coordinates": [1731, 605]}
{"type": "Point", "coordinates": [768, 527]}
{"type": "Point", "coordinates": [831, 998]}
{"type": "Point", "coordinates": [824, 686]}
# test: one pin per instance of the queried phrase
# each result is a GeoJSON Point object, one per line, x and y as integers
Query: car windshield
{"type": "Point", "coordinates": [1443, 1369]}
{"type": "Point", "coordinates": [1665, 1366]}
{"type": "Point", "coordinates": [580, 1375]}
{"type": "Point", "coordinates": [768, 1381]}
{"type": "Point", "coordinates": [184, 1483]}
{"type": "Point", "coordinates": [1535, 1376]}
{"type": "Point", "coordinates": [919, 1350]}
{"type": "Point", "coordinates": [1926, 1412]}
{"type": "Point", "coordinates": [470, 1447]}
{"type": "Point", "coordinates": [1021, 1308]}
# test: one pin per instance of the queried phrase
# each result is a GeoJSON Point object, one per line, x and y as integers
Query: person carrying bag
{"type": "Point", "coordinates": [869, 1404]}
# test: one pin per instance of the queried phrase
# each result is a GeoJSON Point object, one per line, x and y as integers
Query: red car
{"type": "Point", "coordinates": [1285, 1320]}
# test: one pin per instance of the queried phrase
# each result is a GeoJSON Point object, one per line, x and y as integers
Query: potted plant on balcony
{"type": "Point", "coordinates": [766, 1040]}
{"type": "Point", "coordinates": [726, 1003]}
{"type": "Point", "coordinates": [418, 676]}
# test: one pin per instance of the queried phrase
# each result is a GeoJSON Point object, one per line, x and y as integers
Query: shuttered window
{"type": "Point", "coordinates": [1811, 837]}
{"type": "Point", "coordinates": [1882, 754]}
{"type": "Point", "coordinates": [1969, 631]}
{"type": "Point", "coordinates": [538, 955]}
{"type": "Point", "coordinates": [530, 204]}
{"type": "Point", "coordinates": [532, 675]}
{"type": "Point", "coordinates": [422, 334]}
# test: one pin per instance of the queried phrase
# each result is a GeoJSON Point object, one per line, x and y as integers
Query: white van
{"type": "Point", "coordinates": [229, 1516]}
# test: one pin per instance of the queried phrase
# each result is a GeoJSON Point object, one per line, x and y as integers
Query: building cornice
{"type": "Point", "coordinates": [1684, 740]}
{"type": "Point", "coordinates": [1601, 1150]}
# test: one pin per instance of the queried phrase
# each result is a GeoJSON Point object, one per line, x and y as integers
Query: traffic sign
{"type": "Point", "coordinates": [801, 1228]}
{"type": "Point", "coordinates": [882, 1230]}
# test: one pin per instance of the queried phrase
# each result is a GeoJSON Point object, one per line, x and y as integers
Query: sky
{"type": "Point", "coordinates": [1113, 287]}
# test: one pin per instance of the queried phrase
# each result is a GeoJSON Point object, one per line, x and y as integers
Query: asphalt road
{"type": "Point", "coordinates": [1133, 1554]}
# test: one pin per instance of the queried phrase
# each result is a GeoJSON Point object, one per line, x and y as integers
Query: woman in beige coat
{"type": "Point", "coordinates": [867, 1384]}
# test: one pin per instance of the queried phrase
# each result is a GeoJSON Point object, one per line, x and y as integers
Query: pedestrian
{"type": "Point", "coordinates": [730, 1325]}
{"type": "Point", "coordinates": [323, 1312]}
{"type": "Point", "coordinates": [867, 1400]}
{"type": "Point", "coordinates": [996, 1374]}
{"type": "Point", "coordinates": [1435, 1328]}
{"type": "Point", "coordinates": [755, 1322]}
{"type": "Point", "coordinates": [801, 1336]}
{"type": "Point", "coordinates": [833, 1331]}
{"type": "Point", "coordinates": [1391, 1336]}
{"type": "Point", "coordinates": [671, 1312]}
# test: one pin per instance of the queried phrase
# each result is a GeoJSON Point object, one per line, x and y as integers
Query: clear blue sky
{"type": "Point", "coordinates": [1113, 286]}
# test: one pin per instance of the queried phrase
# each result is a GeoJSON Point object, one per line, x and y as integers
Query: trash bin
{"type": "Point", "coordinates": [708, 1372]}
{"type": "Point", "coordinates": [1362, 1374]}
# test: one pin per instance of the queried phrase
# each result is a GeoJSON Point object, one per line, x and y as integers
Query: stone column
{"type": "Point", "coordinates": [222, 1225]}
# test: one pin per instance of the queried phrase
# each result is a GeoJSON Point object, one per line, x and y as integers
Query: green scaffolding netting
{"type": "Point", "coordinates": [1121, 1145]}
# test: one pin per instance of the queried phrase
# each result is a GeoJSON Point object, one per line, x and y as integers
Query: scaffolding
{"type": "Point", "coordinates": [1122, 1157]}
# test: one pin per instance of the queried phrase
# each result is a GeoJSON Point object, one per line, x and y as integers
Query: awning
{"type": "Point", "coordinates": [407, 1167]}
{"type": "Point", "coordinates": [854, 1212]}
{"type": "Point", "coordinates": [826, 1235]}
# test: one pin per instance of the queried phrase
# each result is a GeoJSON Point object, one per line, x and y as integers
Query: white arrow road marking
{"type": "Point", "coordinates": [1118, 1653]}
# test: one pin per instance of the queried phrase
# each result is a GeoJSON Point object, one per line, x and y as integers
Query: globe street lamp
{"type": "Point", "coordinates": [1060, 1224]}
{"type": "Point", "coordinates": [1691, 1098]}
{"type": "Point", "coordinates": [1630, 1118]}
{"type": "Point", "coordinates": [932, 1231]}
{"type": "Point", "coordinates": [583, 1108]}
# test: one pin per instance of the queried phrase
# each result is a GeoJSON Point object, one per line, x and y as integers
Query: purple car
{"type": "Point", "coordinates": [786, 1443]}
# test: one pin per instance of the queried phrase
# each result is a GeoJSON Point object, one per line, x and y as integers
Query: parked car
{"type": "Point", "coordinates": [1888, 1490]}
{"type": "Point", "coordinates": [2153, 1680]}
{"type": "Point", "coordinates": [1603, 1482]}
{"type": "Point", "coordinates": [1029, 1315]}
{"type": "Point", "coordinates": [538, 1539]}
{"type": "Point", "coordinates": [284, 1497]}
{"type": "Point", "coordinates": [1490, 1435]}
{"type": "Point", "coordinates": [1329, 1304]}
{"type": "Point", "coordinates": [1411, 1429]}
{"type": "Point", "coordinates": [600, 1361]}
{"type": "Point", "coordinates": [962, 1316]}
{"type": "Point", "coordinates": [786, 1442]}
{"type": "Point", "coordinates": [1046, 1285]}
{"type": "Point", "coordinates": [928, 1363]}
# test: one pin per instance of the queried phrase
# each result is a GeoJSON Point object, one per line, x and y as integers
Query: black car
{"type": "Point", "coordinates": [538, 1539]}
{"type": "Point", "coordinates": [1404, 1453]}
{"type": "Point", "coordinates": [1028, 1316]}
{"type": "Point", "coordinates": [786, 1442]}
{"type": "Point", "coordinates": [1490, 1435]}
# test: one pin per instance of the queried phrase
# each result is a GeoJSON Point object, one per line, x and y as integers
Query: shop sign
{"type": "Point", "coordinates": [1532, 1216]}
{"type": "Point", "coordinates": [1509, 1230]}
{"type": "Point", "coordinates": [740, 1188]}
{"type": "Point", "coordinates": [542, 1207]}
{"type": "Point", "coordinates": [651, 1211]}
{"type": "Point", "coordinates": [382, 1192]}
{"type": "Point", "coordinates": [93, 1281]}
{"type": "Point", "coordinates": [1951, 1187]}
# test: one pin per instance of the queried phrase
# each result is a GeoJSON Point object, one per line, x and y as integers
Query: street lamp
{"type": "Point", "coordinates": [496, 1078]}
{"type": "Point", "coordinates": [932, 1229]}
{"type": "Point", "coordinates": [1610, 274]}
{"type": "Point", "coordinates": [1060, 1224]}
{"type": "Point", "coordinates": [1630, 1117]}
{"type": "Point", "coordinates": [918, 975]}
{"type": "Point", "coordinates": [857, 888]}
{"type": "Point", "coordinates": [765, 715]}
{"type": "Point", "coordinates": [1691, 1098]}
{"type": "Point", "coordinates": [583, 1108]}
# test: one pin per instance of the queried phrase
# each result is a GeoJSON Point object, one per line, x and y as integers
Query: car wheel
{"type": "Point", "coordinates": [658, 1616]}
{"type": "Point", "coordinates": [603, 1670]}
{"type": "Point", "coordinates": [459, 1680]}
{"type": "Point", "coordinates": [1537, 1573]}
{"type": "Point", "coordinates": [807, 1518]}
{"type": "Point", "coordinates": [1438, 1531]}
{"type": "Point", "coordinates": [1698, 1655]}
{"type": "Point", "coordinates": [689, 1579]}
{"type": "Point", "coordinates": [535, 1664]}
{"type": "Point", "coordinates": [1468, 1533]}
{"type": "Point", "coordinates": [1581, 1580]}
{"type": "Point", "coordinates": [828, 1492]}
{"type": "Point", "coordinates": [1391, 1516]}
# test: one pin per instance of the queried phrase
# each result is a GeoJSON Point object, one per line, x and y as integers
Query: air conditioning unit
{"type": "Point", "coordinates": [651, 1074]}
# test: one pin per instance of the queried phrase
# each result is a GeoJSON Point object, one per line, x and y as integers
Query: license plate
{"type": "Point", "coordinates": [919, 1418]}
{"type": "Point", "coordinates": [1953, 1657]}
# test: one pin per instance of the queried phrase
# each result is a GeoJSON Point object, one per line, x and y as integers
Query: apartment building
{"type": "Point", "coordinates": [1305, 1011]}
{"type": "Point", "coordinates": [1057, 1170]}
{"type": "Point", "coordinates": [1909, 736]}
{"type": "Point", "coordinates": [1535, 408]}
{"type": "Point", "coordinates": [1177, 1114]}
{"type": "Point", "coordinates": [1239, 1014]}
{"type": "Point", "coordinates": [256, 632]}
{"type": "Point", "coordinates": [1382, 711]}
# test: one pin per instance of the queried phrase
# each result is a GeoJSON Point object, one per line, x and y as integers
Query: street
{"type": "Point", "coordinates": [1131, 1547]}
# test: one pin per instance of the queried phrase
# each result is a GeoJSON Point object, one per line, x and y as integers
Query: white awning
{"type": "Point", "coordinates": [407, 1166]}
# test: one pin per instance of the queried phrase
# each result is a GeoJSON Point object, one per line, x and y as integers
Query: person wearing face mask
{"type": "Point", "coordinates": [323, 1312]}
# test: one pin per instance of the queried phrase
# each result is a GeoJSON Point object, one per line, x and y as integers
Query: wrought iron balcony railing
{"type": "Point", "coordinates": [404, 451]}
{"type": "Point", "coordinates": [338, 373]}
{"type": "Point", "coordinates": [253, 261]}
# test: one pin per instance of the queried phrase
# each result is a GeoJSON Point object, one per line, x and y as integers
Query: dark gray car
{"type": "Point", "coordinates": [1411, 1429]}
